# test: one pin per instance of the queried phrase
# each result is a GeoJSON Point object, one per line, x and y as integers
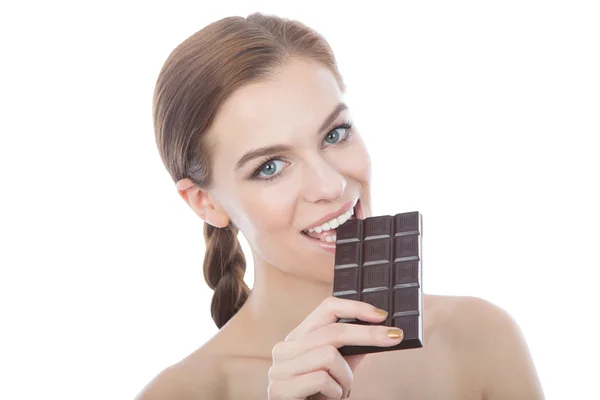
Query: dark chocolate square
{"type": "Point", "coordinates": [405, 299]}
{"type": "Point", "coordinates": [377, 298]}
{"type": "Point", "coordinates": [406, 246]}
{"type": "Point", "coordinates": [409, 324]}
{"type": "Point", "coordinates": [377, 251]}
{"type": "Point", "coordinates": [378, 227]}
{"type": "Point", "coordinates": [348, 254]}
{"type": "Point", "coordinates": [351, 231]}
{"type": "Point", "coordinates": [376, 276]}
{"type": "Point", "coordinates": [406, 272]}
{"type": "Point", "coordinates": [407, 222]}
{"type": "Point", "coordinates": [345, 279]}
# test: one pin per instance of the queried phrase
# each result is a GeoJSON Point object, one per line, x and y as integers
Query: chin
{"type": "Point", "coordinates": [325, 276]}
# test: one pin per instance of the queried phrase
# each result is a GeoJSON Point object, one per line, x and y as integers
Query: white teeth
{"type": "Point", "coordinates": [333, 223]}
{"type": "Point", "coordinates": [331, 238]}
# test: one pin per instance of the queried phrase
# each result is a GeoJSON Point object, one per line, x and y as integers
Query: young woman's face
{"type": "Point", "coordinates": [284, 162]}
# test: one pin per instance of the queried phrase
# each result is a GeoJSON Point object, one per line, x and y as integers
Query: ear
{"type": "Point", "coordinates": [203, 203]}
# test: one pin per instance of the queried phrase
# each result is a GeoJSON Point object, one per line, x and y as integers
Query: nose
{"type": "Point", "coordinates": [323, 182]}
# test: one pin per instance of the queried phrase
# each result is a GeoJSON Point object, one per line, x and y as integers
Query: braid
{"type": "Point", "coordinates": [224, 269]}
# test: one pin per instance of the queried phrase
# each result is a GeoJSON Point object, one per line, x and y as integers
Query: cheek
{"type": "Point", "coordinates": [269, 209]}
{"type": "Point", "coordinates": [356, 162]}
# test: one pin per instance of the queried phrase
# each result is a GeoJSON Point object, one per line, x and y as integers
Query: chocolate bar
{"type": "Point", "coordinates": [378, 261]}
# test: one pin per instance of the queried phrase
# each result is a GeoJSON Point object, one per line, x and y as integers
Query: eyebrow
{"type": "Point", "coordinates": [279, 148]}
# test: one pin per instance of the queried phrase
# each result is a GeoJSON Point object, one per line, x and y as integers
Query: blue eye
{"type": "Point", "coordinates": [270, 168]}
{"type": "Point", "coordinates": [334, 136]}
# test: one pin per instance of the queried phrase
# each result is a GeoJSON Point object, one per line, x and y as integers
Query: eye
{"type": "Point", "coordinates": [334, 135]}
{"type": "Point", "coordinates": [270, 168]}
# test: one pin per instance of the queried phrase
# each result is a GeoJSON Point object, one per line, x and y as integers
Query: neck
{"type": "Point", "coordinates": [278, 303]}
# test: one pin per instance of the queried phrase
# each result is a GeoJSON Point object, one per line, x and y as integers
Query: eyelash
{"type": "Point", "coordinates": [349, 133]}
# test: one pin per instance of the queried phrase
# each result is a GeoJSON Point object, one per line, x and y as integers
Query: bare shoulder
{"type": "Point", "coordinates": [471, 324]}
{"type": "Point", "coordinates": [488, 338]}
{"type": "Point", "coordinates": [467, 318]}
{"type": "Point", "coordinates": [198, 376]}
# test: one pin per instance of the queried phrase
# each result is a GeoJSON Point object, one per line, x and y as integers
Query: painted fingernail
{"type": "Point", "coordinates": [395, 333]}
{"type": "Point", "coordinates": [381, 312]}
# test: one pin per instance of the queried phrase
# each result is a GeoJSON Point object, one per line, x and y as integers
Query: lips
{"type": "Point", "coordinates": [328, 236]}
{"type": "Point", "coordinates": [333, 220]}
{"type": "Point", "coordinates": [326, 240]}
{"type": "Point", "coordinates": [326, 232]}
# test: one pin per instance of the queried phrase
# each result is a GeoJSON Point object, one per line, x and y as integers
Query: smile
{"type": "Point", "coordinates": [323, 232]}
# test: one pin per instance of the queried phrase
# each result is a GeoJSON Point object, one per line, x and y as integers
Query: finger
{"type": "Point", "coordinates": [333, 308]}
{"type": "Point", "coordinates": [305, 385]}
{"type": "Point", "coordinates": [338, 335]}
{"type": "Point", "coordinates": [354, 360]}
{"type": "Point", "coordinates": [326, 358]}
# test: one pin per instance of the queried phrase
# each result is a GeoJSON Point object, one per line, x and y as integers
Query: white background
{"type": "Point", "coordinates": [486, 116]}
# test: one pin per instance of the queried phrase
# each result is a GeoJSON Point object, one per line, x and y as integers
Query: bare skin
{"type": "Point", "coordinates": [281, 344]}
{"type": "Point", "coordinates": [473, 350]}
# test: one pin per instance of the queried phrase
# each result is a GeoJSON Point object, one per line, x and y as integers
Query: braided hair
{"type": "Point", "coordinates": [224, 269]}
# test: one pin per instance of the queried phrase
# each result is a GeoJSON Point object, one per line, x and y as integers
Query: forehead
{"type": "Point", "coordinates": [289, 107]}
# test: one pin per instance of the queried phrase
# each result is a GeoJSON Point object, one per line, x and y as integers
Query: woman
{"type": "Point", "coordinates": [250, 123]}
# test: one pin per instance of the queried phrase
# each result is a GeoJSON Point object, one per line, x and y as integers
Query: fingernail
{"type": "Point", "coordinates": [395, 333]}
{"type": "Point", "coordinates": [381, 312]}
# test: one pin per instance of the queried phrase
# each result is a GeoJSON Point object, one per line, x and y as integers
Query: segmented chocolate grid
{"type": "Point", "coordinates": [378, 261]}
